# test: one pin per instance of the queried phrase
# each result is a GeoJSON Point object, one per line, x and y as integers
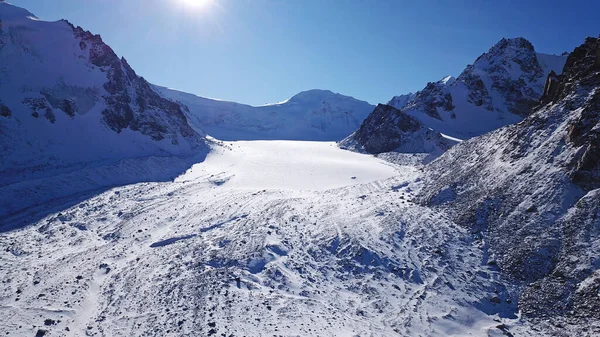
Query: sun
{"type": "Point", "coordinates": [196, 3]}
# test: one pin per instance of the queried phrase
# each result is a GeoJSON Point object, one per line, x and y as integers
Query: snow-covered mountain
{"type": "Point", "coordinates": [389, 129]}
{"type": "Point", "coordinates": [530, 193]}
{"type": "Point", "coordinates": [401, 101]}
{"type": "Point", "coordinates": [498, 89]}
{"type": "Point", "coordinates": [68, 102]}
{"type": "Point", "coordinates": [310, 115]}
{"type": "Point", "coordinates": [497, 237]}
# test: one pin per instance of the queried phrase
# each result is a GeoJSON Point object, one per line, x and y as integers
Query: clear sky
{"type": "Point", "coordinates": [264, 51]}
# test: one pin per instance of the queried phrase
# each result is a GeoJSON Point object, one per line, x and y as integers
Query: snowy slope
{"type": "Point", "coordinates": [498, 89]}
{"type": "Point", "coordinates": [530, 192]}
{"type": "Point", "coordinates": [310, 115]}
{"type": "Point", "coordinates": [215, 252]}
{"type": "Point", "coordinates": [69, 103]}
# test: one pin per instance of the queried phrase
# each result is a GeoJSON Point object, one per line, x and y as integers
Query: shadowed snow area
{"type": "Point", "coordinates": [294, 165]}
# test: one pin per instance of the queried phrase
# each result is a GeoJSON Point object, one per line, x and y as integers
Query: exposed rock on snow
{"type": "Point", "coordinates": [401, 101]}
{"type": "Point", "coordinates": [530, 192]}
{"type": "Point", "coordinates": [389, 129]}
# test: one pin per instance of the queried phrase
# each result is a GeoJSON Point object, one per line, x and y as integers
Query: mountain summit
{"type": "Point", "coordinates": [316, 114]}
{"type": "Point", "coordinates": [67, 101]}
{"type": "Point", "coordinates": [389, 129]}
{"type": "Point", "coordinates": [498, 89]}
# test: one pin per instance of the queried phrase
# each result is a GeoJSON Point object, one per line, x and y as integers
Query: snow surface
{"type": "Point", "coordinates": [246, 244]}
{"type": "Point", "coordinates": [550, 62]}
{"type": "Point", "coordinates": [296, 165]}
{"type": "Point", "coordinates": [263, 238]}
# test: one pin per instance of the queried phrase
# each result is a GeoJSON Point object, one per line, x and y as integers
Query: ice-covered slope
{"type": "Point", "coordinates": [310, 115]}
{"type": "Point", "coordinates": [530, 192]}
{"type": "Point", "coordinates": [67, 102]}
{"type": "Point", "coordinates": [498, 89]}
{"type": "Point", "coordinates": [389, 129]}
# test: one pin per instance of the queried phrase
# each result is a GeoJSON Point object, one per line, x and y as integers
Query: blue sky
{"type": "Point", "coordinates": [264, 51]}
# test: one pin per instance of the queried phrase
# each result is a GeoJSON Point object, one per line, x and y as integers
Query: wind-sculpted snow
{"type": "Point", "coordinates": [191, 258]}
{"type": "Point", "coordinates": [530, 192]}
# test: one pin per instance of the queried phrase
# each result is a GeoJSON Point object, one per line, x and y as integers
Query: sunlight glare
{"type": "Point", "coordinates": [197, 4]}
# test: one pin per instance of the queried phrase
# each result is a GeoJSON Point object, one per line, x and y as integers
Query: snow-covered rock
{"type": "Point", "coordinates": [388, 129]}
{"type": "Point", "coordinates": [310, 115]}
{"type": "Point", "coordinates": [499, 88]}
{"type": "Point", "coordinates": [529, 192]}
{"type": "Point", "coordinates": [401, 101]}
{"type": "Point", "coordinates": [67, 102]}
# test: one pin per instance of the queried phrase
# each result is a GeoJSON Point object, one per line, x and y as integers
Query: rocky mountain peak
{"type": "Point", "coordinates": [501, 87]}
{"type": "Point", "coordinates": [502, 54]}
{"type": "Point", "coordinates": [401, 101]}
{"type": "Point", "coordinates": [389, 129]}
{"type": "Point", "coordinates": [510, 45]}
{"type": "Point", "coordinates": [148, 113]}
{"type": "Point", "coordinates": [511, 69]}
{"type": "Point", "coordinates": [64, 91]}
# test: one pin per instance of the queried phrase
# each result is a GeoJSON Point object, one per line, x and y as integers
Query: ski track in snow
{"type": "Point", "coordinates": [261, 239]}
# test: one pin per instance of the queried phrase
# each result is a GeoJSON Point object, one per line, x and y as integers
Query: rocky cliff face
{"type": "Point", "coordinates": [131, 102]}
{"type": "Point", "coordinates": [529, 194]}
{"type": "Point", "coordinates": [65, 97]}
{"type": "Point", "coordinates": [499, 88]}
{"type": "Point", "coordinates": [71, 111]}
{"type": "Point", "coordinates": [389, 129]}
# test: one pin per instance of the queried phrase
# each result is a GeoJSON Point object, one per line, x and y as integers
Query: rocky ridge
{"type": "Point", "coordinates": [499, 88]}
{"type": "Point", "coordinates": [530, 192]}
{"type": "Point", "coordinates": [389, 129]}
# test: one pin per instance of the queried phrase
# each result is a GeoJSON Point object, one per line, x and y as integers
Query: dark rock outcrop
{"type": "Point", "coordinates": [148, 113]}
{"type": "Point", "coordinates": [5, 111]}
{"type": "Point", "coordinates": [389, 129]}
{"type": "Point", "coordinates": [519, 95]}
{"type": "Point", "coordinates": [432, 97]}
